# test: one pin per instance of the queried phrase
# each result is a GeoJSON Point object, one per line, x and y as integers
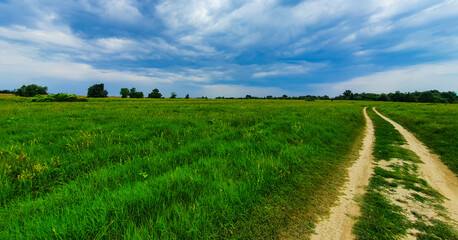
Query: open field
{"type": "Point", "coordinates": [115, 168]}
{"type": "Point", "coordinates": [436, 125]}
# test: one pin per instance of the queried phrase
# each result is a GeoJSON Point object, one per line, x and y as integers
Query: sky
{"type": "Point", "coordinates": [230, 48]}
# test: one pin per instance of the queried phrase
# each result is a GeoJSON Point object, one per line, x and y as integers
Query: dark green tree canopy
{"type": "Point", "coordinates": [124, 92]}
{"type": "Point", "coordinates": [134, 94]}
{"type": "Point", "coordinates": [173, 95]}
{"type": "Point", "coordinates": [155, 94]}
{"type": "Point", "coordinates": [187, 96]}
{"type": "Point", "coordinates": [31, 90]}
{"type": "Point", "coordinates": [97, 91]}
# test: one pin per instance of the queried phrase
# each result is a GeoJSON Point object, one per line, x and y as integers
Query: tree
{"type": "Point", "coordinates": [30, 90]}
{"type": "Point", "coordinates": [173, 95]}
{"type": "Point", "coordinates": [124, 92]}
{"type": "Point", "coordinates": [348, 95]}
{"type": "Point", "coordinates": [187, 96]}
{"type": "Point", "coordinates": [134, 94]}
{"type": "Point", "coordinates": [155, 94]}
{"type": "Point", "coordinates": [383, 97]}
{"type": "Point", "coordinates": [248, 97]}
{"type": "Point", "coordinates": [97, 91]}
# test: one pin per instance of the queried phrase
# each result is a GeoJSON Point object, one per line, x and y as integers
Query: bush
{"type": "Point", "coordinates": [30, 90]}
{"type": "Point", "coordinates": [97, 91]}
{"type": "Point", "coordinates": [60, 97]}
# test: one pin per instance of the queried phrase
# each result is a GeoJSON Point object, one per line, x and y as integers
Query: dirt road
{"type": "Point", "coordinates": [340, 223]}
{"type": "Point", "coordinates": [432, 170]}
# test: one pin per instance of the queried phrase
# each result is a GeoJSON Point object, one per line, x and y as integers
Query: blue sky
{"type": "Point", "coordinates": [230, 48]}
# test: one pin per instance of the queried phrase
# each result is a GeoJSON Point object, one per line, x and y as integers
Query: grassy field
{"type": "Point", "coordinates": [169, 169]}
{"type": "Point", "coordinates": [436, 125]}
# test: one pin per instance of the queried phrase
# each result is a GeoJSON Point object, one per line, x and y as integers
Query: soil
{"type": "Point", "coordinates": [340, 223]}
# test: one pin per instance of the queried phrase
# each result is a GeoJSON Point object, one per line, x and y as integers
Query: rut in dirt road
{"type": "Point", "coordinates": [432, 170]}
{"type": "Point", "coordinates": [340, 222]}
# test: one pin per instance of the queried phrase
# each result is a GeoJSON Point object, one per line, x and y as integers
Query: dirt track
{"type": "Point", "coordinates": [340, 223]}
{"type": "Point", "coordinates": [432, 170]}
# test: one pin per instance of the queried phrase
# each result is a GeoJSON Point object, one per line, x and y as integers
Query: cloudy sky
{"type": "Point", "coordinates": [230, 47]}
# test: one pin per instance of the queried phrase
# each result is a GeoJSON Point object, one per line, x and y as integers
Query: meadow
{"type": "Point", "coordinates": [171, 169]}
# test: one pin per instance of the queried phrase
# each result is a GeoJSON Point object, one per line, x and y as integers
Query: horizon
{"type": "Point", "coordinates": [230, 48]}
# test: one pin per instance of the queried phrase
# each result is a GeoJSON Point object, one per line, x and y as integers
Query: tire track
{"type": "Point", "coordinates": [432, 170]}
{"type": "Point", "coordinates": [340, 223]}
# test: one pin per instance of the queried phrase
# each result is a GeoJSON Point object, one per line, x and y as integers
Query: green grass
{"type": "Point", "coordinates": [436, 125]}
{"type": "Point", "coordinates": [169, 169]}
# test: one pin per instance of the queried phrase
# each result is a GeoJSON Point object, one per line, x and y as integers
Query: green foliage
{"type": "Point", "coordinates": [31, 90]}
{"type": "Point", "coordinates": [97, 91]}
{"type": "Point", "coordinates": [124, 92]}
{"type": "Point", "coordinates": [60, 97]}
{"type": "Point", "coordinates": [173, 95]}
{"type": "Point", "coordinates": [134, 94]}
{"type": "Point", "coordinates": [432, 96]}
{"type": "Point", "coordinates": [187, 96]}
{"type": "Point", "coordinates": [155, 94]}
{"type": "Point", "coordinates": [172, 170]}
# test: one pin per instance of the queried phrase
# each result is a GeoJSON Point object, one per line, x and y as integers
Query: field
{"type": "Point", "coordinates": [138, 169]}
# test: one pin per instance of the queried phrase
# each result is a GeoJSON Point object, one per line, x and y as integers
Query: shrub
{"type": "Point", "coordinates": [60, 97]}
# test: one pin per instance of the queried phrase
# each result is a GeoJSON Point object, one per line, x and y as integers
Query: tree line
{"type": "Point", "coordinates": [431, 96]}
{"type": "Point", "coordinates": [98, 91]}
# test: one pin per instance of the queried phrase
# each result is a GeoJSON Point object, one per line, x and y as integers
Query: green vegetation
{"type": "Point", "coordinates": [432, 96]}
{"type": "Point", "coordinates": [394, 188]}
{"type": "Point", "coordinates": [97, 91]}
{"type": "Point", "coordinates": [436, 125]}
{"type": "Point", "coordinates": [60, 97]}
{"type": "Point", "coordinates": [30, 90]}
{"type": "Point", "coordinates": [161, 169]}
{"type": "Point", "coordinates": [155, 94]}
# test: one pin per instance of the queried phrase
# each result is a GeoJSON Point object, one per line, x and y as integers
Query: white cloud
{"type": "Point", "coordinates": [441, 76]}
{"type": "Point", "coordinates": [285, 69]}
{"type": "Point", "coordinates": [119, 10]}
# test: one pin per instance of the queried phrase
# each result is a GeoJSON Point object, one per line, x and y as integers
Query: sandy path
{"type": "Point", "coordinates": [340, 223]}
{"type": "Point", "coordinates": [432, 170]}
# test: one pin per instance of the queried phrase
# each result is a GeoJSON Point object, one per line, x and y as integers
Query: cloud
{"type": "Point", "coordinates": [120, 10]}
{"type": "Point", "coordinates": [442, 76]}
{"type": "Point", "coordinates": [285, 69]}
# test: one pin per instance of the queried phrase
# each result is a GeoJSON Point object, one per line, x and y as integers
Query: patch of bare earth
{"type": "Point", "coordinates": [340, 223]}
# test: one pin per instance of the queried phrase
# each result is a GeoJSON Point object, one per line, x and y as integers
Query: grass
{"type": "Point", "coordinates": [436, 125]}
{"type": "Point", "coordinates": [169, 169]}
{"type": "Point", "coordinates": [382, 218]}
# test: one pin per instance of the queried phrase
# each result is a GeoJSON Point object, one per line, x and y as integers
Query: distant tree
{"type": "Point", "coordinates": [7, 91]}
{"type": "Point", "coordinates": [124, 92]}
{"type": "Point", "coordinates": [134, 94]}
{"type": "Point", "coordinates": [97, 91]}
{"type": "Point", "coordinates": [449, 96]}
{"type": "Point", "coordinates": [325, 97]}
{"type": "Point", "coordinates": [187, 96]}
{"type": "Point", "coordinates": [248, 97]}
{"type": "Point", "coordinates": [269, 97]}
{"type": "Point", "coordinates": [284, 96]}
{"type": "Point", "coordinates": [30, 90]}
{"type": "Point", "coordinates": [348, 95]}
{"type": "Point", "coordinates": [173, 95]}
{"type": "Point", "coordinates": [383, 97]}
{"type": "Point", "coordinates": [155, 94]}
{"type": "Point", "coordinates": [426, 97]}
